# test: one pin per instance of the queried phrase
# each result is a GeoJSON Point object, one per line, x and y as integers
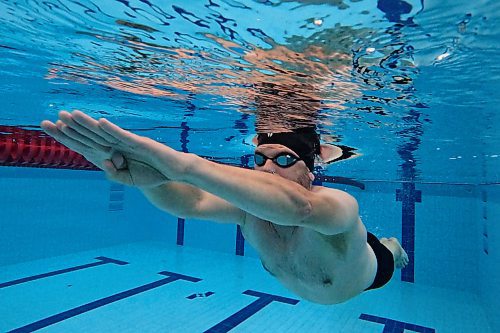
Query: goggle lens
{"type": "Point", "coordinates": [283, 160]}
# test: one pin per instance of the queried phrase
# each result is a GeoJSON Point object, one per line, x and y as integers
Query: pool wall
{"type": "Point", "coordinates": [489, 257]}
{"type": "Point", "coordinates": [49, 212]}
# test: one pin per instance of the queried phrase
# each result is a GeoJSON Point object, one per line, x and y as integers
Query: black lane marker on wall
{"type": "Point", "coordinates": [103, 261]}
{"type": "Point", "coordinates": [240, 242]}
{"type": "Point", "coordinates": [180, 231]}
{"type": "Point", "coordinates": [408, 196]}
{"type": "Point", "coordinates": [171, 277]}
{"type": "Point", "coordinates": [264, 299]}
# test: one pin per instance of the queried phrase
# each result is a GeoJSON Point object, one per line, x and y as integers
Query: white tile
{"type": "Point", "coordinates": [166, 308]}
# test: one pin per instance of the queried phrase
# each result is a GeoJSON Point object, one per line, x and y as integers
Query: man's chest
{"type": "Point", "coordinates": [294, 252]}
{"type": "Point", "coordinates": [319, 268]}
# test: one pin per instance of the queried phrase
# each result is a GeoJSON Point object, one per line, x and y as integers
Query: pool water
{"type": "Point", "coordinates": [410, 88]}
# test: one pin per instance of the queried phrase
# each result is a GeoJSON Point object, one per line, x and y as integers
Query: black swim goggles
{"type": "Point", "coordinates": [283, 160]}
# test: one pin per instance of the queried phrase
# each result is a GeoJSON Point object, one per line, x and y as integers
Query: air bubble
{"type": "Point", "coordinates": [442, 56]}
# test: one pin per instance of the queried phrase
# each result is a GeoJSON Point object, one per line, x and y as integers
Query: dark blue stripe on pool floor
{"type": "Point", "coordinates": [234, 320]}
{"type": "Point", "coordinates": [101, 302]}
{"type": "Point", "coordinates": [103, 261]}
{"type": "Point", "coordinates": [395, 326]}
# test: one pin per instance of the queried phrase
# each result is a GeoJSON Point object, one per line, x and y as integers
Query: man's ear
{"type": "Point", "coordinates": [250, 140]}
{"type": "Point", "coordinates": [254, 140]}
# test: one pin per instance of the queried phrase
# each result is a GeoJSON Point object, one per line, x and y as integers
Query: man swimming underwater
{"type": "Point", "coordinates": [309, 237]}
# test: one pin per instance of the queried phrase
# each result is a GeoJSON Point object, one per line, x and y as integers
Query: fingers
{"type": "Point", "coordinates": [83, 128]}
{"type": "Point", "coordinates": [118, 133]}
{"type": "Point", "coordinates": [78, 129]}
{"type": "Point", "coordinates": [71, 133]}
{"type": "Point", "coordinates": [52, 130]}
{"type": "Point", "coordinates": [92, 127]}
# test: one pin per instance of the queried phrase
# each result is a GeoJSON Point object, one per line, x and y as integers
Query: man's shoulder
{"type": "Point", "coordinates": [330, 191]}
{"type": "Point", "coordinates": [333, 211]}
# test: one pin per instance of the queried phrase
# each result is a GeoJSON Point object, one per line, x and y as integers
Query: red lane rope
{"type": "Point", "coordinates": [28, 148]}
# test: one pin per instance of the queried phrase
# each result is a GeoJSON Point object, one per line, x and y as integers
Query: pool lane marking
{"type": "Point", "coordinates": [171, 277]}
{"type": "Point", "coordinates": [240, 242]}
{"type": "Point", "coordinates": [395, 326]}
{"type": "Point", "coordinates": [103, 261]}
{"type": "Point", "coordinates": [234, 320]}
{"type": "Point", "coordinates": [180, 231]}
{"type": "Point", "coordinates": [408, 196]}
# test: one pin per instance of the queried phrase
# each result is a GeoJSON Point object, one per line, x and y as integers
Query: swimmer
{"type": "Point", "coordinates": [310, 238]}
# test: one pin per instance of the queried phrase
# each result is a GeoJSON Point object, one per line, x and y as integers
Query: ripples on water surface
{"type": "Point", "coordinates": [411, 85]}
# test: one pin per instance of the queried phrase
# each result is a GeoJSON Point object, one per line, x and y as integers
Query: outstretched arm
{"type": "Point", "coordinates": [82, 134]}
{"type": "Point", "coordinates": [223, 192]}
{"type": "Point", "coordinates": [274, 198]}
{"type": "Point", "coordinates": [186, 201]}
{"type": "Point", "coordinates": [261, 194]}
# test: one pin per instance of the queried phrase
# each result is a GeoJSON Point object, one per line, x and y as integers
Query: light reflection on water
{"type": "Point", "coordinates": [353, 68]}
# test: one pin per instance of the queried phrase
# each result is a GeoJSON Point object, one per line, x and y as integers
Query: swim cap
{"type": "Point", "coordinates": [303, 141]}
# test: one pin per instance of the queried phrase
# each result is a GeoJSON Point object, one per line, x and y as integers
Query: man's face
{"type": "Point", "coordinates": [298, 172]}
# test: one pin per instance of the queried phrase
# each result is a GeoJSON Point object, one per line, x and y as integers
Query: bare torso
{"type": "Point", "coordinates": [319, 268]}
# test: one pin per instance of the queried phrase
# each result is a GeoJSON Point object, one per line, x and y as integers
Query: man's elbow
{"type": "Point", "coordinates": [304, 212]}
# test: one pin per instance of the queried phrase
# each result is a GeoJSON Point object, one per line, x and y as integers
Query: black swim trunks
{"type": "Point", "coordinates": [385, 262]}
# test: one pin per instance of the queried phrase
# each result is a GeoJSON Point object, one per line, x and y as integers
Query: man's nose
{"type": "Point", "coordinates": [269, 166]}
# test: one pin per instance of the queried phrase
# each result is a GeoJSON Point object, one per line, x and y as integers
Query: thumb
{"type": "Point", "coordinates": [119, 176]}
{"type": "Point", "coordinates": [118, 160]}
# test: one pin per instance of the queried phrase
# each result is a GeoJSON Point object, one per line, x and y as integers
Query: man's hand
{"type": "Point", "coordinates": [86, 136]}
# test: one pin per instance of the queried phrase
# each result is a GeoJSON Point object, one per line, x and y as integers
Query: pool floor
{"type": "Point", "coordinates": [151, 287]}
